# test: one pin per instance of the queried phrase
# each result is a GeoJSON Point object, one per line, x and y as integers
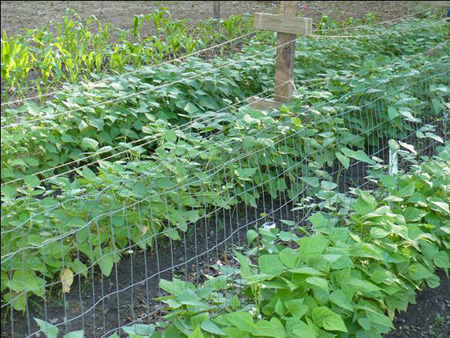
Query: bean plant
{"type": "Point", "coordinates": [348, 277]}
{"type": "Point", "coordinates": [58, 176]}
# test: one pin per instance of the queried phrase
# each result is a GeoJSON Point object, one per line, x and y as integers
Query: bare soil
{"type": "Point", "coordinates": [16, 16]}
{"type": "Point", "coordinates": [429, 318]}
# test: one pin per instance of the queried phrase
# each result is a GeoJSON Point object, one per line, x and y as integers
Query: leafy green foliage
{"type": "Point", "coordinates": [125, 113]}
{"type": "Point", "coordinates": [364, 279]}
{"type": "Point", "coordinates": [51, 331]}
{"type": "Point", "coordinates": [82, 51]}
{"type": "Point", "coordinates": [187, 161]}
{"type": "Point", "coordinates": [116, 199]}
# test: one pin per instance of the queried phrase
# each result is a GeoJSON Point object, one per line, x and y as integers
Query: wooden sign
{"type": "Point", "coordinates": [283, 24]}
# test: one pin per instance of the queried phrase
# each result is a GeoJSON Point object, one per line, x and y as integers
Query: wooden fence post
{"type": "Point", "coordinates": [216, 10]}
{"type": "Point", "coordinates": [284, 64]}
{"type": "Point", "coordinates": [288, 26]}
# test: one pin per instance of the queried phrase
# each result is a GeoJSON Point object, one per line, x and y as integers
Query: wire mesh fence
{"type": "Point", "coordinates": [180, 216]}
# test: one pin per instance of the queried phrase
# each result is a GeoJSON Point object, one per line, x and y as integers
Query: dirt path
{"type": "Point", "coordinates": [18, 15]}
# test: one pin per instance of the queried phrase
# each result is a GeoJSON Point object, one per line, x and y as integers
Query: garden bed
{"type": "Point", "coordinates": [365, 103]}
{"type": "Point", "coordinates": [16, 16]}
{"type": "Point", "coordinates": [100, 305]}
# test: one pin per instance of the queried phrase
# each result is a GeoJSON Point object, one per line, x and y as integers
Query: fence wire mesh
{"type": "Point", "coordinates": [180, 215]}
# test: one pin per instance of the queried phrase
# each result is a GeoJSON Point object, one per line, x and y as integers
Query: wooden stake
{"type": "Point", "coordinates": [284, 70]}
{"type": "Point", "coordinates": [287, 25]}
{"type": "Point", "coordinates": [216, 10]}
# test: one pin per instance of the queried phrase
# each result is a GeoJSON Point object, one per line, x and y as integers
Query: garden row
{"type": "Point", "coordinates": [73, 51]}
{"type": "Point", "coordinates": [347, 278]}
{"type": "Point", "coordinates": [352, 272]}
{"type": "Point", "coordinates": [73, 222]}
{"type": "Point", "coordinates": [93, 219]}
{"type": "Point", "coordinates": [121, 114]}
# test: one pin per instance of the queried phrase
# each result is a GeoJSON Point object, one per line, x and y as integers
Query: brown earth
{"type": "Point", "coordinates": [429, 318]}
{"type": "Point", "coordinates": [16, 16]}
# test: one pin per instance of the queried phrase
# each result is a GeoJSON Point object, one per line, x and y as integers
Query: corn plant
{"type": "Point", "coordinates": [77, 52]}
{"type": "Point", "coordinates": [17, 61]}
